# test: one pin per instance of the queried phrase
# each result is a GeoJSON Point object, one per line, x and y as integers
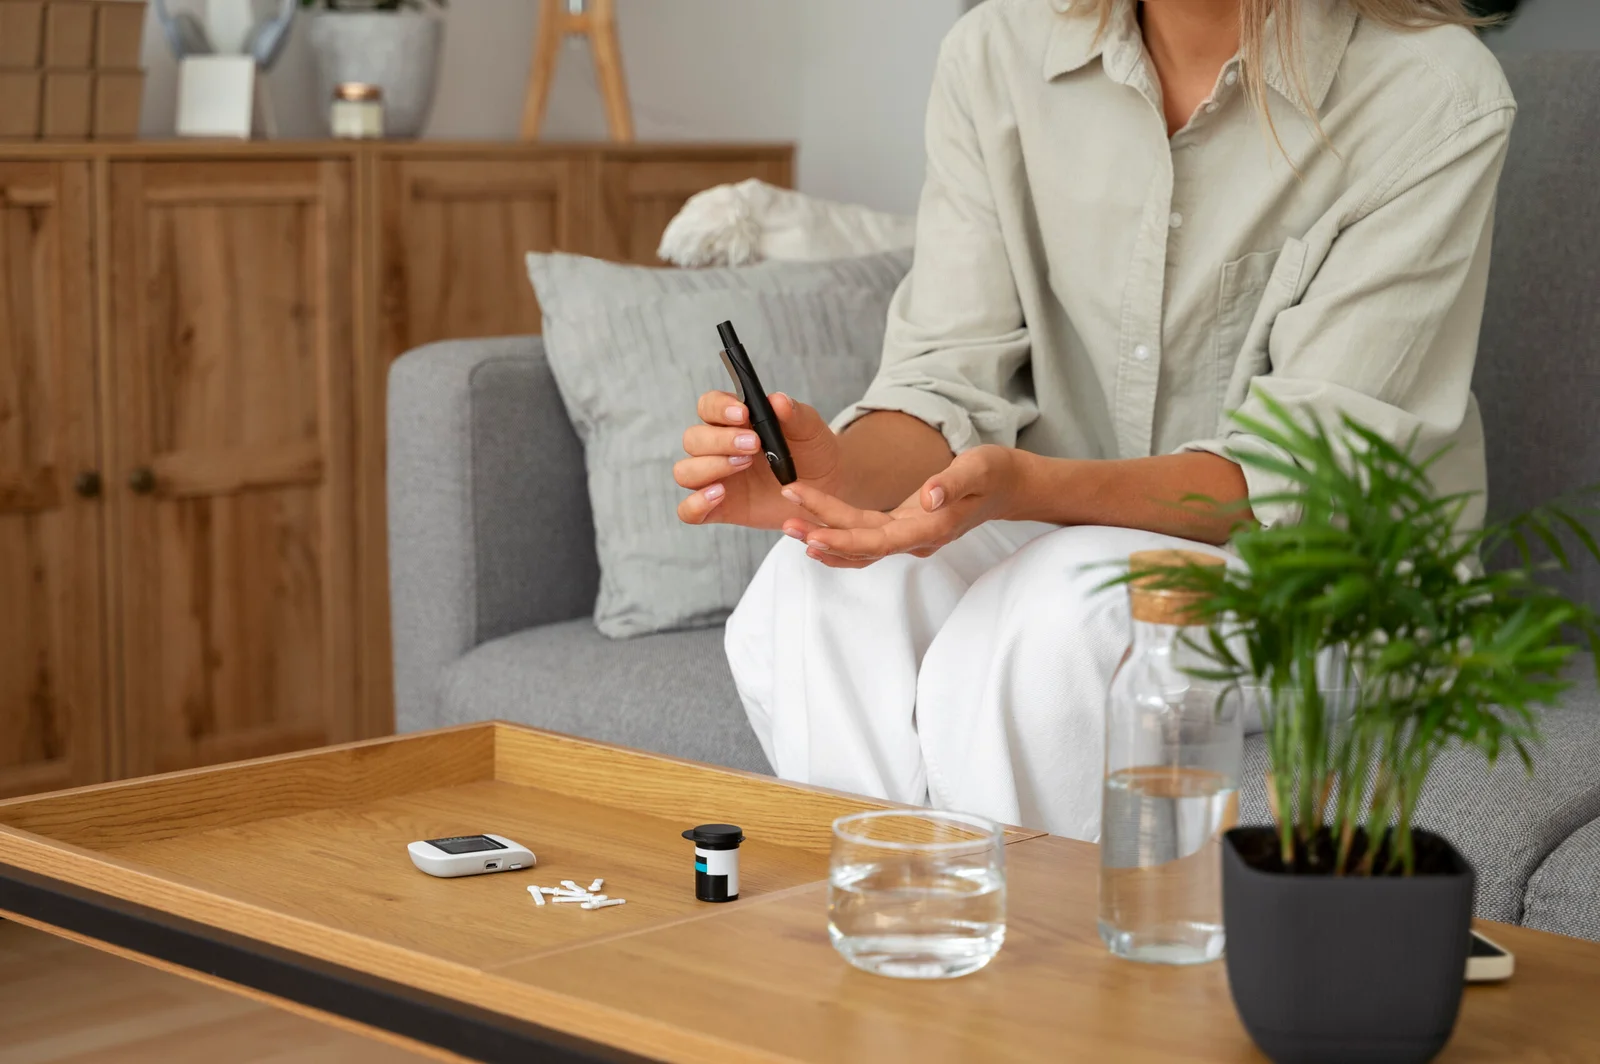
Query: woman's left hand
{"type": "Point", "coordinates": [981, 485]}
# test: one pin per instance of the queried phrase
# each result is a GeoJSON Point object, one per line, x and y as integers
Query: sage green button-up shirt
{"type": "Point", "coordinates": [1086, 287]}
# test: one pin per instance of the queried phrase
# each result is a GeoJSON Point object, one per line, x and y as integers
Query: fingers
{"type": "Point", "coordinates": [711, 439]}
{"type": "Point", "coordinates": [696, 473]}
{"type": "Point", "coordinates": [801, 528]}
{"type": "Point", "coordinates": [845, 536]}
{"type": "Point", "coordinates": [962, 477]}
{"type": "Point", "coordinates": [801, 423]}
{"type": "Point", "coordinates": [721, 408]}
{"type": "Point", "coordinates": [834, 561]}
{"type": "Point", "coordinates": [901, 536]}
{"type": "Point", "coordinates": [701, 507]}
{"type": "Point", "coordinates": [831, 511]}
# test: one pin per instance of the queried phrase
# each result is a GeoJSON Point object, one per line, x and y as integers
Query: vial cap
{"type": "Point", "coordinates": [715, 836]}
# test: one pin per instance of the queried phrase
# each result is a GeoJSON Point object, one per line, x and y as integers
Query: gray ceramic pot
{"type": "Point", "coordinates": [396, 50]}
{"type": "Point", "coordinates": [1330, 970]}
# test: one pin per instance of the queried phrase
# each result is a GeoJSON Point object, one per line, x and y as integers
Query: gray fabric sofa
{"type": "Point", "coordinates": [494, 573]}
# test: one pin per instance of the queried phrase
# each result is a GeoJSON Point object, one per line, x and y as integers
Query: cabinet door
{"type": "Point", "coordinates": [52, 646]}
{"type": "Point", "coordinates": [454, 235]}
{"type": "Point", "coordinates": [233, 352]}
{"type": "Point", "coordinates": [640, 195]}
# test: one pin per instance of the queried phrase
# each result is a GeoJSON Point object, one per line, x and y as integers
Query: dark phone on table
{"type": "Point", "coordinates": [1488, 961]}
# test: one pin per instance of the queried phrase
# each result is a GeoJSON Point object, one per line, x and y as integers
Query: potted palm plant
{"type": "Point", "coordinates": [393, 44]}
{"type": "Point", "coordinates": [1376, 641]}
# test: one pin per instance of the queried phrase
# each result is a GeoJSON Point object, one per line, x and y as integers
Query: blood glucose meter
{"type": "Point", "coordinates": [469, 855]}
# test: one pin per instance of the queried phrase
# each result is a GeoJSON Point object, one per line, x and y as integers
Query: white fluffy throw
{"type": "Point", "coordinates": [737, 225]}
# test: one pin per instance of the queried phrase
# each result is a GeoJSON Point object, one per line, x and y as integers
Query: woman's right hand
{"type": "Point", "coordinates": [728, 472]}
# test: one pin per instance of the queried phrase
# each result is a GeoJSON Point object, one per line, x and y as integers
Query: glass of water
{"type": "Point", "coordinates": [917, 895]}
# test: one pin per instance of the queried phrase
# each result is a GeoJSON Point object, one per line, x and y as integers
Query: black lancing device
{"type": "Point", "coordinates": [762, 417]}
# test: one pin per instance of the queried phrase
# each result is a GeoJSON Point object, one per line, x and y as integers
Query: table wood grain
{"type": "Point", "coordinates": [767, 979]}
{"type": "Point", "coordinates": [305, 852]}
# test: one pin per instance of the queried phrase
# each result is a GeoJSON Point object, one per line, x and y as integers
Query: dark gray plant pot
{"type": "Point", "coordinates": [1329, 970]}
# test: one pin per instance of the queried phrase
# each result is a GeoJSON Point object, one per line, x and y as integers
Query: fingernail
{"type": "Point", "coordinates": [740, 460]}
{"type": "Point", "coordinates": [746, 441]}
{"type": "Point", "coordinates": [792, 497]}
{"type": "Point", "coordinates": [795, 533]}
{"type": "Point", "coordinates": [814, 554]}
{"type": "Point", "coordinates": [714, 492]}
{"type": "Point", "coordinates": [823, 547]}
{"type": "Point", "coordinates": [936, 497]}
{"type": "Point", "coordinates": [734, 413]}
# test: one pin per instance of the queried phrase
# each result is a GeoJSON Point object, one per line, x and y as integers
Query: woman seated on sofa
{"type": "Point", "coordinates": [1137, 218]}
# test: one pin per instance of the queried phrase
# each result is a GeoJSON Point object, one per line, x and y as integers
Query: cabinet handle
{"type": "Point", "coordinates": [87, 484]}
{"type": "Point", "coordinates": [142, 481]}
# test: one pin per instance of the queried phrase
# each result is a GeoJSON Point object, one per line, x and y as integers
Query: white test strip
{"type": "Point", "coordinates": [548, 890]}
{"type": "Point", "coordinates": [581, 899]}
{"type": "Point", "coordinates": [573, 894]}
{"type": "Point", "coordinates": [570, 885]}
{"type": "Point", "coordinates": [597, 884]}
{"type": "Point", "coordinates": [608, 903]}
{"type": "Point", "coordinates": [538, 895]}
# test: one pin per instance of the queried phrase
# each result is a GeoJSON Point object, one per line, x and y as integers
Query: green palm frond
{"type": "Point", "coordinates": [1437, 652]}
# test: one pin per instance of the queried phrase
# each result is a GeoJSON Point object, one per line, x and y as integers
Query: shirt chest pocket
{"type": "Point", "coordinates": [1255, 290]}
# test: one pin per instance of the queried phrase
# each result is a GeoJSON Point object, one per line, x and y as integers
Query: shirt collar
{"type": "Point", "coordinates": [1074, 42]}
{"type": "Point", "coordinates": [1325, 30]}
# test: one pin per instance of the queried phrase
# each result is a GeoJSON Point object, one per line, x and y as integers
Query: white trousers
{"type": "Point", "coordinates": [974, 680]}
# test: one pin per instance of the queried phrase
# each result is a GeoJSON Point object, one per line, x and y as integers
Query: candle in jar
{"type": "Point", "coordinates": [357, 111]}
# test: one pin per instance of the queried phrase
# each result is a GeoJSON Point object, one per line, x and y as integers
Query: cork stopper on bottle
{"type": "Point", "coordinates": [1154, 605]}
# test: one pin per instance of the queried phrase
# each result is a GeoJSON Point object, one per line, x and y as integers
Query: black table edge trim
{"type": "Point", "coordinates": [419, 1015]}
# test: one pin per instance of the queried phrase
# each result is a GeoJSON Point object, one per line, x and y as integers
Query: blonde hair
{"type": "Point", "coordinates": [1253, 34]}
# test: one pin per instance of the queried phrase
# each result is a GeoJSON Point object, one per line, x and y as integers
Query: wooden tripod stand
{"type": "Point", "coordinates": [596, 20]}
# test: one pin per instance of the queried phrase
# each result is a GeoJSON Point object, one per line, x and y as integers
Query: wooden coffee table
{"type": "Point", "coordinates": [287, 879]}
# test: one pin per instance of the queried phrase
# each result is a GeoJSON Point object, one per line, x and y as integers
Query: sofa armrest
{"type": "Point", "coordinates": [489, 523]}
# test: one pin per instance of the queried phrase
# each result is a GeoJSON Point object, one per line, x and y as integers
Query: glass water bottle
{"type": "Point", "coordinates": [1173, 752]}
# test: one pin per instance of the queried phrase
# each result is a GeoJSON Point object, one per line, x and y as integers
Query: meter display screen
{"type": "Point", "coordinates": [465, 844]}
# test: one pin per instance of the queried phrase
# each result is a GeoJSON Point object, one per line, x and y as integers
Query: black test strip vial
{"type": "Point", "coordinates": [716, 861]}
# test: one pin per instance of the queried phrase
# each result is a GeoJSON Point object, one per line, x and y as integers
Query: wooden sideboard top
{"type": "Point", "coordinates": [299, 149]}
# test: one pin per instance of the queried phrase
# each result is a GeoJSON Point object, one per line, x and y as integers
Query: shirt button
{"type": "Point", "coordinates": [1232, 77]}
{"type": "Point", "coordinates": [1142, 353]}
{"type": "Point", "coordinates": [1176, 220]}
{"type": "Point", "coordinates": [1211, 107]}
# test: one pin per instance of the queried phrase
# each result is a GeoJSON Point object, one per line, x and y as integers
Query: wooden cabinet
{"type": "Point", "coordinates": [231, 300]}
{"type": "Point", "coordinates": [640, 194]}
{"type": "Point", "coordinates": [453, 235]}
{"type": "Point", "coordinates": [193, 349]}
{"type": "Point", "coordinates": [455, 224]}
{"type": "Point", "coordinates": [52, 633]}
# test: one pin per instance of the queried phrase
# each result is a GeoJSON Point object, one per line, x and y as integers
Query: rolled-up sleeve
{"type": "Point", "coordinates": [1381, 332]}
{"type": "Point", "coordinates": [956, 345]}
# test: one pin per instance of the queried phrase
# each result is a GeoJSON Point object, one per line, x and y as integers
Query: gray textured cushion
{"type": "Point", "coordinates": [670, 693]}
{"type": "Point", "coordinates": [1538, 376]}
{"type": "Point", "coordinates": [1505, 822]}
{"type": "Point", "coordinates": [489, 527]}
{"type": "Point", "coordinates": [1564, 894]}
{"type": "Point", "coordinates": [632, 350]}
